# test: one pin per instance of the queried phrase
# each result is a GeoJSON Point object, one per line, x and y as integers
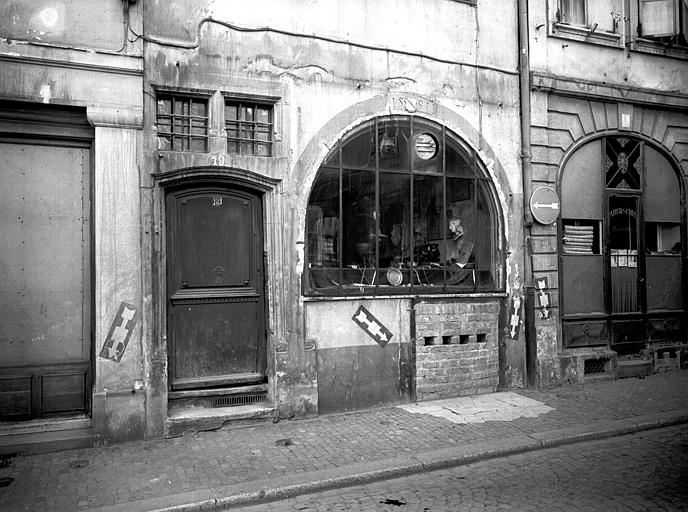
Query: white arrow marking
{"type": "Point", "coordinates": [553, 206]}
{"type": "Point", "coordinates": [374, 328]}
{"type": "Point", "coordinates": [514, 317]}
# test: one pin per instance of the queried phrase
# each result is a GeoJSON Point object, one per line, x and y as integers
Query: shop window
{"type": "Point", "coordinates": [581, 236]}
{"type": "Point", "coordinates": [399, 206]}
{"type": "Point", "coordinates": [182, 123]}
{"type": "Point", "coordinates": [663, 238]}
{"type": "Point", "coordinates": [249, 128]}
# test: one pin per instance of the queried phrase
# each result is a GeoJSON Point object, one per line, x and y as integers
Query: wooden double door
{"type": "Point", "coordinates": [215, 288]}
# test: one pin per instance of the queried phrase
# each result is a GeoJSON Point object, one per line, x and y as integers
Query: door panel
{"type": "Point", "coordinates": [583, 279]}
{"type": "Point", "coordinates": [663, 282]}
{"type": "Point", "coordinates": [662, 192]}
{"type": "Point", "coordinates": [45, 296]}
{"type": "Point", "coordinates": [215, 240]}
{"type": "Point", "coordinates": [213, 340]}
{"type": "Point", "coordinates": [216, 326]}
{"type": "Point", "coordinates": [582, 185]}
{"type": "Point", "coordinates": [44, 233]}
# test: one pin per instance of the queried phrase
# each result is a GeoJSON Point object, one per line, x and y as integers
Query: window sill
{"type": "Point", "coordinates": [585, 35]}
{"type": "Point", "coordinates": [650, 46]}
{"type": "Point", "coordinates": [471, 295]}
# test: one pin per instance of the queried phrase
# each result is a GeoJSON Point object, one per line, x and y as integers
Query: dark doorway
{"type": "Point", "coordinates": [215, 288]}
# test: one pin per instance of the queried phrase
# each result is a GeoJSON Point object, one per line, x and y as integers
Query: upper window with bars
{"type": "Point", "coordinates": [249, 127]}
{"type": "Point", "coordinates": [182, 123]}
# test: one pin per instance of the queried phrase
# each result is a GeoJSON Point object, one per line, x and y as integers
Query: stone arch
{"type": "Point", "coordinates": [571, 122]}
{"type": "Point", "coordinates": [676, 164]}
{"type": "Point", "coordinates": [346, 121]}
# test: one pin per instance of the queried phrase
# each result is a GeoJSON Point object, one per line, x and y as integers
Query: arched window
{"type": "Point", "coordinates": [401, 206]}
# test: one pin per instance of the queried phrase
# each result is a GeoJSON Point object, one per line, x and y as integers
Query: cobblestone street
{"type": "Point", "coordinates": [209, 468]}
{"type": "Point", "coordinates": [646, 471]}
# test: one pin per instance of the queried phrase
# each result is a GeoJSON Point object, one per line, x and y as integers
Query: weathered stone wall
{"type": "Point", "coordinates": [456, 348]}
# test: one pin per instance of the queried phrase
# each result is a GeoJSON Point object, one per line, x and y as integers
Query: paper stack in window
{"type": "Point", "coordinates": [578, 239]}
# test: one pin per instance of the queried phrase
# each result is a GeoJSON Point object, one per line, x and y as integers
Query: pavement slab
{"type": "Point", "coordinates": [502, 406]}
{"type": "Point", "coordinates": [238, 466]}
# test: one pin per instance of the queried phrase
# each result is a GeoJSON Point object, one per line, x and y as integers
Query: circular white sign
{"type": "Point", "coordinates": [545, 205]}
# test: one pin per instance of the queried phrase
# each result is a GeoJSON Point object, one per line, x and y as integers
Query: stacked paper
{"type": "Point", "coordinates": [578, 239]}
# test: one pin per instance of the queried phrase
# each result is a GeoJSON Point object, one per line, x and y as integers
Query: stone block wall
{"type": "Point", "coordinates": [456, 348]}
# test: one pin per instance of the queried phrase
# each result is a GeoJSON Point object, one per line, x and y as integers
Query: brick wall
{"type": "Point", "coordinates": [456, 347]}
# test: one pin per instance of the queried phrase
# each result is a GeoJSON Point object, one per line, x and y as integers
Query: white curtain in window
{"type": "Point", "coordinates": [573, 11]}
{"type": "Point", "coordinates": [604, 13]}
{"type": "Point", "coordinates": [658, 18]}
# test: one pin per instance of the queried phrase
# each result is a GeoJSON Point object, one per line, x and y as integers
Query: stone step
{"type": "Point", "coordinates": [181, 420]}
{"type": "Point", "coordinates": [43, 436]}
{"type": "Point", "coordinates": [634, 368]}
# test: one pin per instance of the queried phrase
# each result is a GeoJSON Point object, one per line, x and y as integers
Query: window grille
{"type": "Point", "coordinates": [182, 123]}
{"type": "Point", "coordinates": [592, 366]}
{"type": "Point", "coordinates": [249, 128]}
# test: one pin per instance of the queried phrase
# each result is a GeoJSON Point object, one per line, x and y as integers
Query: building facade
{"type": "Point", "coordinates": [609, 134]}
{"type": "Point", "coordinates": [332, 207]}
{"type": "Point", "coordinates": [70, 136]}
{"type": "Point", "coordinates": [221, 213]}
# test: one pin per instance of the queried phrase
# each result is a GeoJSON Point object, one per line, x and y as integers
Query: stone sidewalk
{"type": "Point", "coordinates": [241, 466]}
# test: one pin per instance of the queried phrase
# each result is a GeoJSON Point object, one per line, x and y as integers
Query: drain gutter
{"type": "Point", "coordinates": [527, 173]}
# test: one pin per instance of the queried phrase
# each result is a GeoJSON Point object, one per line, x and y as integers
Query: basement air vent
{"type": "Point", "coordinates": [6, 459]}
{"type": "Point", "coordinates": [595, 365]}
{"type": "Point", "coordinates": [242, 399]}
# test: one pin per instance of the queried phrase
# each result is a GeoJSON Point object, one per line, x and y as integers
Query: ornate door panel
{"type": "Point", "coordinates": [215, 288]}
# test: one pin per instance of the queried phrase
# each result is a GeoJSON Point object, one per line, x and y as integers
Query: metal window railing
{"type": "Point", "coordinates": [249, 128]}
{"type": "Point", "coordinates": [182, 123]}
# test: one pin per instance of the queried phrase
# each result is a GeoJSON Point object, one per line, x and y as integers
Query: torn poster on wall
{"type": "Point", "coordinates": [120, 332]}
{"type": "Point", "coordinates": [372, 326]}
{"type": "Point", "coordinates": [543, 297]}
{"type": "Point", "coordinates": [515, 317]}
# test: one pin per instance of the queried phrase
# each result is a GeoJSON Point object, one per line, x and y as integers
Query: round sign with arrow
{"type": "Point", "coordinates": [544, 205]}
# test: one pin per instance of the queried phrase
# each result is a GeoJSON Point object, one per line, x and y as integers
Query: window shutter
{"type": "Point", "coordinates": [658, 18]}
